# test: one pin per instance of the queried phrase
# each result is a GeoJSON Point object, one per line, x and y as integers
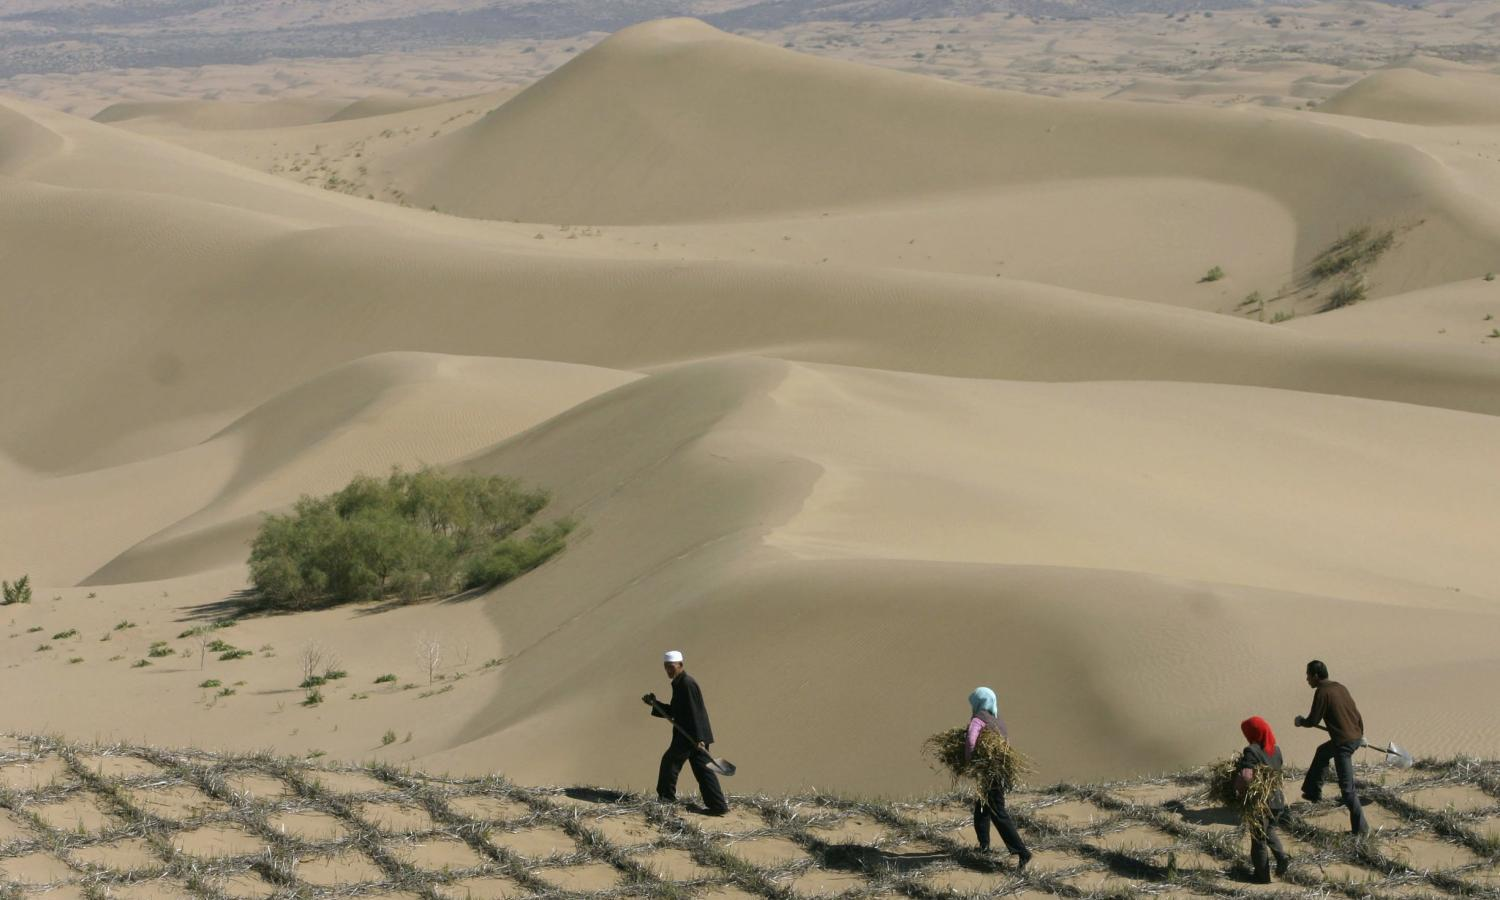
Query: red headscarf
{"type": "Point", "coordinates": [1258, 731]}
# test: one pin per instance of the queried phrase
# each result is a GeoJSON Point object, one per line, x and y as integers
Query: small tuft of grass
{"type": "Point", "coordinates": [64, 635]}
{"type": "Point", "coordinates": [140, 664]}
{"type": "Point", "coordinates": [385, 679]}
{"type": "Point", "coordinates": [34, 629]}
{"type": "Point", "coordinates": [75, 660]}
{"type": "Point", "coordinates": [235, 653]}
{"type": "Point", "coordinates": [335, 674]}
{"type": "Point", "coordinates": [388, 738]}
{"type": "Point", "coordinates": [312, 681]}
{"type": "Point", "coordinates": [1214, 274]}
{"type": "Point", "coordinates": [211, 683]}
{"type": "Point", "coordinates": [1489, 276]}
{"type": "Point", "coordinates": [313, 698]}
{"type": "Point", "coordinates": [41, 647]}
{"type": "Point", "coordinates": [1347, 294]}
{"type": "Point", "coordinates": [122, 624]}
{"type": "Point", "coordinates": [159, 649]}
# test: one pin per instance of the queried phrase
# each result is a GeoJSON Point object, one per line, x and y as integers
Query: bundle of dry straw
{"type": "Point", "coordinates": [1254, 805]}
{"type": "Point", "coordinates": [995, 762]}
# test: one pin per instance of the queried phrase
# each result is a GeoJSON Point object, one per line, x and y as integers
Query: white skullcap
{"type": "Point", "coordinates": [674, 656]}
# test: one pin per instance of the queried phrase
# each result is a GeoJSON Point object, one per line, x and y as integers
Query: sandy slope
{"type": "Point", "coordinates": [982, 441]}
{"type": "Point", "coordinates": [1419, 98]}
{"type": "Point", "coordinates": [673, 121]}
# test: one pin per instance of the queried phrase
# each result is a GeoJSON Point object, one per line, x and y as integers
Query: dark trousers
{"type": "Point", "coordinates": [1266, 844]}
{"type": "Point", "coordinates": [990, 807]}
{"type": "Point", "coordinates": [682, 751]}
{"type": "Point", "coordinates": [1342, 755]}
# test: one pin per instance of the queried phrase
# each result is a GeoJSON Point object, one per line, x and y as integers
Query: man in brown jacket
{"type": "Point", "coordinates": [1334, 708]}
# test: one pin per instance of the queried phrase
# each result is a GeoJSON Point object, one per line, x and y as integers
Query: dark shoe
{"type": "Point", "coordinates": [1023, 861]}
{"type": "Point", "coordinates": [1312, 798]}
{"type": "Point", "coordinates": [1282, 862]}
{"type": "Point", "coordinates": [716, 812]}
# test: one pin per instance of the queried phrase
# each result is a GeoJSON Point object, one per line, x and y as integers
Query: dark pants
{"type": "Point", "coordinates": [1342, 755]}
{"type": "Point", "coordinates": [991, 808]}
{"type": "Point", "coordinates": [1265, 845]}
{"type": "Point", "coordinates": [682, 751]}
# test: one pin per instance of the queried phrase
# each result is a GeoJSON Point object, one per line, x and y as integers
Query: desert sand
{"type": "Point", "coordinates": [867, 386]}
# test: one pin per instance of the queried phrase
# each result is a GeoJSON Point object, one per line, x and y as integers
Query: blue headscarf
{"type": "Point", "coordinates": [983, 700]}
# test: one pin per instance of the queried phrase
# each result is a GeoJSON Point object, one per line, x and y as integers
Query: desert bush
{"type": "Point", "coordinates": [1356, 249]}
{"type": "Point", "coordinates": [1347, 294]}
{"type": "Point", "coordinates": [64, 635]}
{"type": "Point", "coordinates": [19, 592]}
{"type": "Point", "coordinates": [1214, 274]}
{"type": "Point", "coordinates": [384, 679]}
{"type": "Point", "coordinates": [412, 535]}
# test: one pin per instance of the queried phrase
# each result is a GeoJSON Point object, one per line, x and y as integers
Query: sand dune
{"type": "Point", "coordinates": [213, 115]}
{"type": "Point", "coordinates": [671, 121]}
{"type": "Point", "coordinates": [866, 387]}
{"type": "Point", "coordinates": [1419, 98]}
{"type": "Point", "coordinates": [834, 513]}
{"type": "Point", "coordinates": [362, 417]}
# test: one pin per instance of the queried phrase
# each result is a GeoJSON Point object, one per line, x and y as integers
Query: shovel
{"type": "Point", "coordinates": [1394, 755]}
{"type": "Point", "coordinates": [717, 764]}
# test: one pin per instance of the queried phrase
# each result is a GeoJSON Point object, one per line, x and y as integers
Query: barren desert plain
{"type": "Point", "coordinates": [1122, 359]}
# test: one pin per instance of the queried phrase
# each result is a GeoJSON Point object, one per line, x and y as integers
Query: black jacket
{"type": "Point", "coordinates": [1256, 755]}
{"type": "Point", "coordinates": [686, 709]}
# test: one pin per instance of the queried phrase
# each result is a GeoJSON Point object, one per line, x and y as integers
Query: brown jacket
{"type": "Point", "coordinates": [1333, 706]}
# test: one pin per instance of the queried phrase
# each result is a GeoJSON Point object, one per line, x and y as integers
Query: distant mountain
{"type": "Point", "coordinates": [41, 36]}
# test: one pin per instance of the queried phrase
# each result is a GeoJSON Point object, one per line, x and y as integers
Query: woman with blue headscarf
{"type": "Point", "coordinates": [990, 807]}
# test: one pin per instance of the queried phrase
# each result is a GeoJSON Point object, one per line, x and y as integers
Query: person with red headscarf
{"type": "Point", "coordinates": [1262, 751]}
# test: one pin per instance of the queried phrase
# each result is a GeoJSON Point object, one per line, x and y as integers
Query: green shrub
{"type": "Point", "coordinates": [20, 592]}
{"type": "Point", "coordinates": [1347, 294]}
{"type": "Point", "coordinates": [1358, 248]}
{"type": "Point", "coordinates": [313, 698]}
{"type": "Point", "coordinates": [211, 683]}
{"type": "Point", "coordinates": [234, 653]}
{"type": "Point", "coordinates": [313, 681]}
{"type": "Point", "coordinates": [140, 664]}
{"type": "Point", "coordinates": [1213, 274]}
{"type": "Point", "coordinates": [385, 679]}
{"type": "Point", "coordinates": [159, 649]}
{"type": "Point", "coordinates": [64, 635]}
{"type": "Point", "coordinates": [413, 534]}
{"type": "Point", "coordinates": [388, 738]}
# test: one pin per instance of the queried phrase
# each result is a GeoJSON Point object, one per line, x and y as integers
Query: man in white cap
{"type": "Point", "coordinates": [687, 711]}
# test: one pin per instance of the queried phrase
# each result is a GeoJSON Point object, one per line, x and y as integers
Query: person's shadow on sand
{"type": "Point", "coordinates": [859, 857]}
{"type": "Point", "coordinates": [1211, 815]}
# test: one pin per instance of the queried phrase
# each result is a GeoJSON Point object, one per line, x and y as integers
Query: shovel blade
{"type": "Point", "coordinates": [723, 767]}
{"type": "Point", "coordinates": [1395, 756]}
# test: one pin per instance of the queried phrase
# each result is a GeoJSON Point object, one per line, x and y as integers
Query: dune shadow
{"type": "Point", "coordinates": [390, 604]}
{"type": "Point", "coordinates": [237, 605]}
